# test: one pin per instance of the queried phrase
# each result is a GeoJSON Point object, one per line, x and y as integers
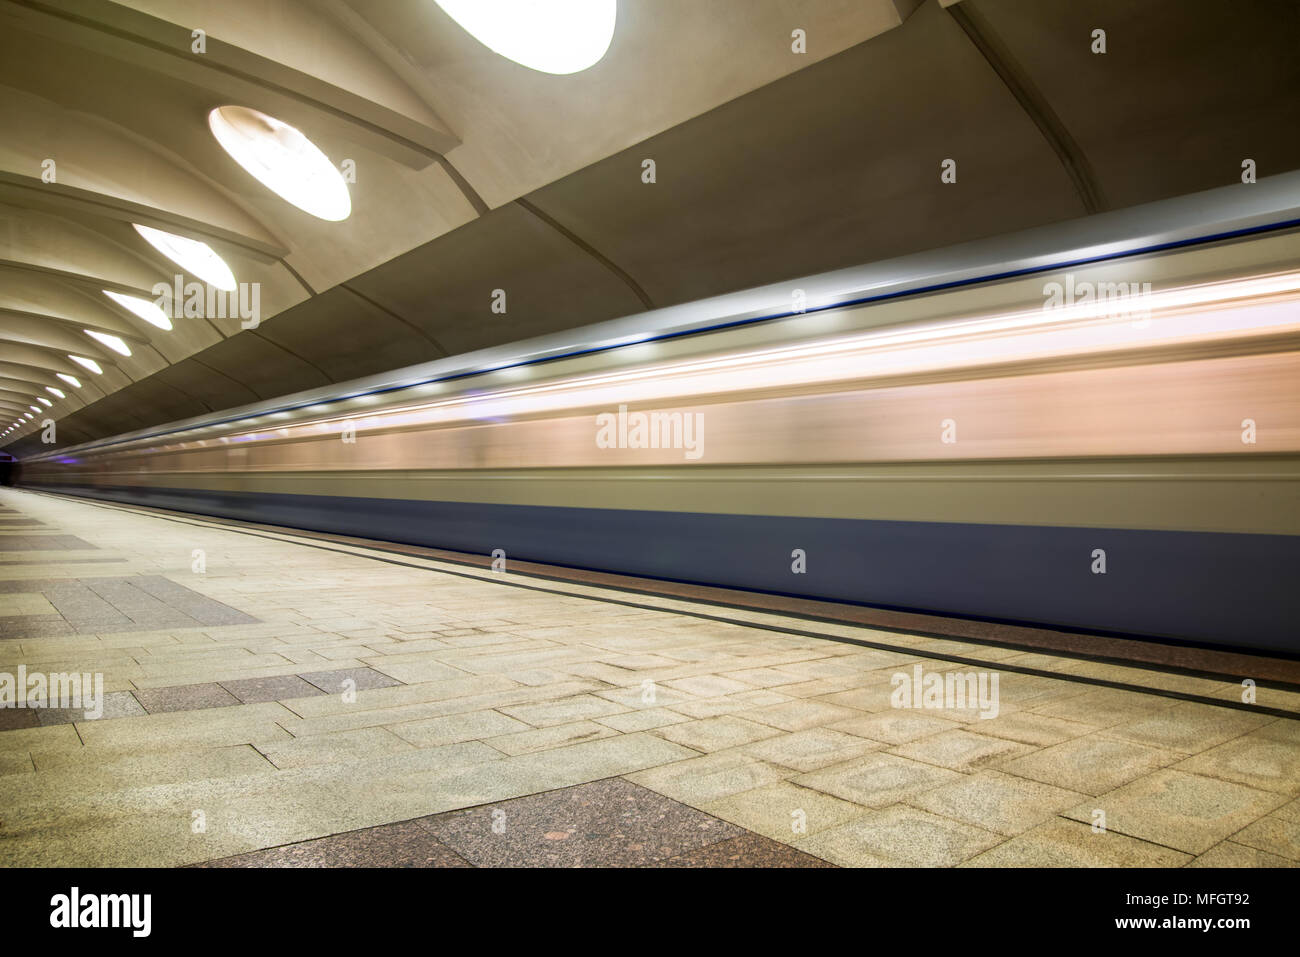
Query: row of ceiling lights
{"type": "Point", "coordinates": [278, 156]}
{"type": "Point", "coordinates": [558, 36]}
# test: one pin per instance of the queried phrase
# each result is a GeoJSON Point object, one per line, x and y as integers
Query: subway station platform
{"type": "Point", "coordinates": [274, 699]}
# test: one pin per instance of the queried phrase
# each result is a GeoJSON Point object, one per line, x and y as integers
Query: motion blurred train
{"type": "Point", "coordinates": [1091, 426]}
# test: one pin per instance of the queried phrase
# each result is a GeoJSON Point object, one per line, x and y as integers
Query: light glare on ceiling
{"type": "Point", "coordinates": [150, 312]}
{"type": "Point", "coordinates": [550, 36]}
{"type": "Point", "coordinates": [195, 257]}
{"type": "Point", "coordinates": [113, 342]}
{"type": "Point", "coordinates": [56, 392]}
{"type": "Point", "coordinates": [44, 401]}
{"type": "Point", "coordinates": [71, 380]}
{"type": "Point", "coordinates": [90, 364]}
{"type": "Point", "coordinates": [279, 157]}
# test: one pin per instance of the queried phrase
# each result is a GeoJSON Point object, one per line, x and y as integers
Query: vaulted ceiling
{"type": "Point", "coordinates": [473, 173]}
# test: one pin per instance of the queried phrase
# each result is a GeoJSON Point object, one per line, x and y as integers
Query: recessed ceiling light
{"type": "Point", "coordinates": [34, 408]}
{"type": "Point", "coordinates": [550, 36]}
{"type": "Point", "coordinates": [71, 380]}
{"type": "Point", "coordinates": [279, 157]}
{"type": "Point", "coordinates": [150, 312]}
{"type": "Point", "coordinates": [113, 342]}
{"type": "Point", "coordinates": [58, 392]}
{"type": "Point", "coordinates": [90, 364]}
{"type": "Point", "coordinates": [193, 256]}
{"type": "Point", "coordinates": [44, 401]}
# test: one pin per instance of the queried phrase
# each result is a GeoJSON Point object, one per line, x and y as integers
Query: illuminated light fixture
{"type": "Point", "coordinates": [195, 257]}
{"type": "Point", "coordinates": [44, 401]}
{"type": "Point", "coordinates": [90, 364]}
{"type": "Point", "coordinates": [150, 312]}
{"type": "Point", "coordinates": [71, 380]}
{"type": "Point", "coordinates": [56, 392]}
{"type": "Point", "coordinates": [34, 408]}
{"type": "Point", "coordinates": [283, 160]}
{"type": "Point", "coordinates": [113, 342]}
{"type": "Point", "coordinates": [550, 36]}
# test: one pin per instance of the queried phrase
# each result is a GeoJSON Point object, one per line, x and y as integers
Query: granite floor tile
{"type": "Point", "coordinates": [748, 850]}
{"type": "Point", "coordinates": [406, 844]}
{"type": "Point", "coordinates": [280, 688]}
{"type": "Point", "coordinates": [12, 719]}
{"type": "Point", "coordinates": [362, 679]}
{"type": "Point", "coordinates": [186, 698]}
{"type": "Point", "coordinates": [609, 823]}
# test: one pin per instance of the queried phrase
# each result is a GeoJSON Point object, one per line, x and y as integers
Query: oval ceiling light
{"type": "Point", "coordinates": [90, 364]}
{"type": "Point", "coordinates": [550, 36]}
{"type": "Point", "coordinates": [196, 258]}
{"type": "Point", "coordinates": [113, 342]}
{"type": "Point", "coordinates": [71, 380]}
{"type": "Point", "coordinates": [44, 401]}
{"type": "Point", "coordinates": [34, 408]}
{"type": "Point", "coordinates": [150, 312]}
{"type": "Point", "coordinates": [56, 392]}
{"type": "Point", "coordinates": [283, 160]}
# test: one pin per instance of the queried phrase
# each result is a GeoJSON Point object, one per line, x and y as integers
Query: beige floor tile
{"type": "Point", "coordinates": [554, 736]}
{"type": "Point", "coordinates": [25, 603]}
{"type": "Point", "coordinates": [716, 734]}
{"type": "Point", "coordinates": [1090, 765]}
{"type": "Point", "coordinates": [1027, 727]}
{"type": "Point", "coordinates": [877, 780]}
{"type": "Point", "coordinates": [563, 711]}
{"type": "Point", "coordinates": [1105, 707]}
{"type": "Point", "coordinates": [1189, 727]}
{"type": "Point", "coordinates": [1257, 759]}
{"type": "Point", "coordinates": [961, 750]}
{"type": "Point", "coordinates": [1230, 854]}
{"type": "Point", "coordinates": [1274, 834]}
{"type": "Point", "coordinates": [783, 811]}
{"type": "Point", "coordinates": [452, 728]}
{"type": "Point", "coordinates": [697, 781]}
{"type": "Point", "coordinates": [899, 836]}
{"type": "Point", "coordinates": [810, 750]}
{"type": "Point", "coordinates": [800, 715]}
{"type": "Point", "coordinates": [997, 802]}
{"type": "Point", "coordinates": [644, 720]}
{"type": "Point", "coordinates": [1062, 843]}
{"type": "Point", "coordinates": [896, 726]}
{"type": "Point", "coordinates": [1179, 810]}
{"type": "Point", "coordinates": [334, 748]}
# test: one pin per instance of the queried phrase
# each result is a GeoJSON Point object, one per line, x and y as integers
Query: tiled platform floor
{"type": "Point", "coordinates": [293, 704]}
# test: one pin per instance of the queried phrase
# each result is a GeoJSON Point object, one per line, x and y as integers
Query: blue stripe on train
{"type": "Point", "coordinates": [1227, 589]}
